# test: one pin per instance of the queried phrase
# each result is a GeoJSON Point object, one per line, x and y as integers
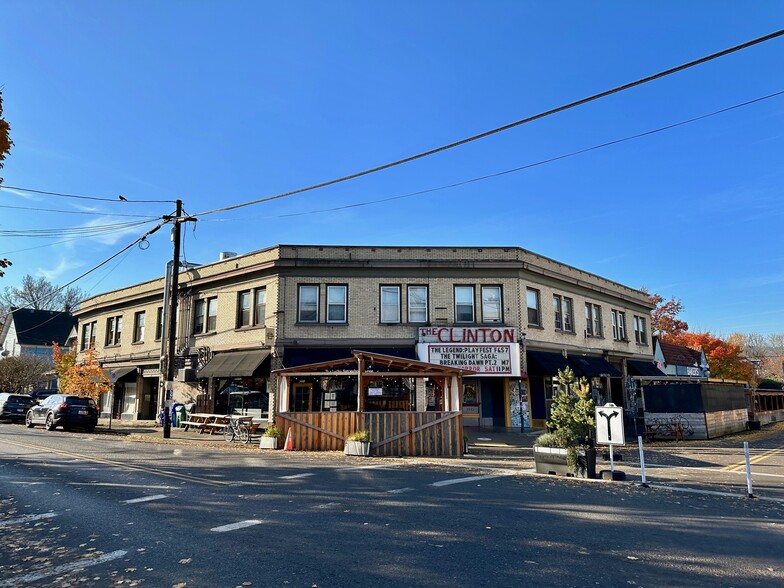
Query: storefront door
{"type": "Point", "coordinates": [302, 397]}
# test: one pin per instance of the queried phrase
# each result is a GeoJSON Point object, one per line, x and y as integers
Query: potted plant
{"type": "Point", "coordinates": [358, 443]}
{"type": "Point", "coordinates": [269, 440]}
{"type": "Point", "coordinates": [572, 423]}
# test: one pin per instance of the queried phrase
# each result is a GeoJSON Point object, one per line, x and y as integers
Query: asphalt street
{"type": "Point", "coordinates": [100, 510]}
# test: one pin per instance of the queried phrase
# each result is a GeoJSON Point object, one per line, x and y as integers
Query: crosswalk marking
{"type": "Point", "coordinates": [464, 480]}
{"type": "Point", "coordinates": [62, 569]}
{"type": "Point", "coordinates": [145, 499]}
{"type": "Point", "coordinates": [27, 519]}
{"type": "Point", "coordinates": [235, 526]}
{"type": "Point", "coordinates": [296, 476]}
{"type": "Point", "coordinates": [400, 491]}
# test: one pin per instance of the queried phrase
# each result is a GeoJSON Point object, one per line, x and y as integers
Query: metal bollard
{"type": "Point", "coordinates": [644, 483]}
{"type": "Point", "coordinates": [748, 470]}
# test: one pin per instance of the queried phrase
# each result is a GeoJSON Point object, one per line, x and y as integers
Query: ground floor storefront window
{"type": "Point", "coordinates": [242, 396]}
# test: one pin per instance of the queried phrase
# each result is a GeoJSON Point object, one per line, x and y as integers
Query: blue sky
{"type": "Point", "coordinates": [223, 102]}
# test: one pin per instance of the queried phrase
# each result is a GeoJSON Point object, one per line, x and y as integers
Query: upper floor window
{"type": "Point", "coordinates": [337, 304]}
{"type": "Point", "coordinates": [205, 315]}
{"type": "Point", "coordinates": [159, 323]}
{"type": "Point", "coordinates": [564, 313]}
{"type": "Point", "coordinates": [640, 335]}
{"type": "Point", "coordinates": [243, 309]}
{"type": "Point", "coordinates": [491, 304]}
{"type": "Point", "coordinates": [88, 335]}
{"type": "Point", "coordinates": [618, 325]}
{"type": "Point", "coordinates": [260, 306]}
{"type": "Point", "coordinates": [390, 304]}
{"type": "Point", "coordinates": [138, 326]}
{"type": "Point", "coordinates": [308, 304]}
{"type": "Point", "coordinates": [534, 307]}
{"type": "Point", "coordinates": [593, 320]}
{"type": "Point", "coordinates": [113, 330]}
{"type": "Point", "coordinates": [417, 304]}
{"type": "Point", "coordinates": [464, 304]}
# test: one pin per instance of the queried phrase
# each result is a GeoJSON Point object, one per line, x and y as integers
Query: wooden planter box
{"type": "Point", "coordinates": [268, 443]}
{"type": "Point", "coordinates": [554, 461]}
{"type": "Point", "coordinates": [360, 448]}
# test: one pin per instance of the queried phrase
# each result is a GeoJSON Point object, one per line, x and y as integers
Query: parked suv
{"type": "Point", "coordinates": [66, 411]}
{"type": "Point", "coordinates": [14, 407]}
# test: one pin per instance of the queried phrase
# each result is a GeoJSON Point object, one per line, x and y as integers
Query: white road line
{"type": "Point", "coordinates": [27, 519]}
{"type": "Point", "coordinates": [295, 476]}
{"type": "Point", "coordinates": [145, 499]}
{"type": "Point", "coordinates": [235, 526]}
{"type": "Point", "coordinates": [376, 466]}
{"type": "Point", "coordinates": [59, 570]}
{"type": "Point", "coordinates": [463, 480]}
{"type": "Point", "coordinates": [400, 491]}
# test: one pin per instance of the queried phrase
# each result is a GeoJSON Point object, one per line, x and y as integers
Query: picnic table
{"type": "Point", "coordinates": [215, 423]}
{"type": "Point", "coordinates": [206, 422]}
{"type": "Point", "coordinates": [663, 431]}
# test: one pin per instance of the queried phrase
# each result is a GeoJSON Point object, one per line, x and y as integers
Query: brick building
{"type": "Point", "coordinates": [508, 315]}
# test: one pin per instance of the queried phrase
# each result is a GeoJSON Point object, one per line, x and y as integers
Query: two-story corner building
{"type": "Point", "coordinates": [507, 317]}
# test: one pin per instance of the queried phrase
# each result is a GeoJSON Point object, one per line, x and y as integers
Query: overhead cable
{"type": "Point", "coordinates": [506, 127]}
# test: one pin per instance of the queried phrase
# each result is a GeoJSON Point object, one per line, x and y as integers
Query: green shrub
{"type": "Point", "coordinates": [362, 436]}
{"type": "Point", "coordinates": [555, 439]}
{"type": "Point", "coordinates": [272, 431]}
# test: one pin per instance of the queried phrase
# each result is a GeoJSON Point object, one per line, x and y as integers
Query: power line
{"type": "Point", "coordinates": [77, 212]}
{"type": "Point", "coordinates": [91, 270]}
{"type": "Point", "coordinates": [117, 200]}
{"type": "Point", "coordinates": [529, 119]}
{"type": "Point", "coordinates": [85, 231]}
{"type": "Point", "coordinates": [526, 166]}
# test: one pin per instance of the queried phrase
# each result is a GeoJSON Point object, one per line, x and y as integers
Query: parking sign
{"type": "Point", "coordinates": [609, 425]}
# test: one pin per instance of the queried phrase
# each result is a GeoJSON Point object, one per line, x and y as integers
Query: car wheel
{"type": "Point", "coordinates": [49, 425]}
{"type": "Point", "coordinates": [29, 420]}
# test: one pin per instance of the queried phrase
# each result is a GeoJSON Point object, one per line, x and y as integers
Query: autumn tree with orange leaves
{"type": "Point", "coordinates": [85, 378]}
{"type": "Point", "coordinates": [726, 358]}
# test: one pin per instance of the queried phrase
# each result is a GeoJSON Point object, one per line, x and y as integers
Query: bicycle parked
{"type": "Point", "coordinates": [237, 428]}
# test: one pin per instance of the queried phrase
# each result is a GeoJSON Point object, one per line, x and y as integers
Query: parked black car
{"type": "Point", "coordinates": [66, 411]}
{"type": "Point", "coordinates": [14, 407]}
{"type": "Point", "coordinates": [40, 394]}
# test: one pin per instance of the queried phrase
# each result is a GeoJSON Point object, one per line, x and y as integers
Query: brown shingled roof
{"type": "Point", "coordinates": [679, 355]}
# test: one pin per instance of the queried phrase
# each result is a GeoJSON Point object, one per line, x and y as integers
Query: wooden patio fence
{"type": "Point", "coordinates": [391, 433]}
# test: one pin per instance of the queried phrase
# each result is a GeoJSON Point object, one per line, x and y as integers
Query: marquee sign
{"type": "Point", "coordinates": [489, 351]}
{"type": "Point", "coordinates": [468, 335]}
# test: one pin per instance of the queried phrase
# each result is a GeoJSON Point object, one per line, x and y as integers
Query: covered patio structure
{"type": "Point", "coordinates": [408, 407]}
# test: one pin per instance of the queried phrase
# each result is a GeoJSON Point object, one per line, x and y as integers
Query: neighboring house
{"type": "Point", "coordinates": [506, 316]}
{"type": "Point", "coordinates": [31, 332]}
{"type": "Point", "coordinates": [677, 360]}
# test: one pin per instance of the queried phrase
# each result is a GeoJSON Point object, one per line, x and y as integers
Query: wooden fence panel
{"type": "Point", "coordinates": [391, 433]}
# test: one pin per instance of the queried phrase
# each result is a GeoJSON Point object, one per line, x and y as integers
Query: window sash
{"type": "Point", "coordinates": [568, 315]}
{"type": "Point", "coordinates": [558, 313]}
{"type": "Point", "coordinates": [417, 304]}
{"type": "Point", "coordinates": [260, 307]}
{"type": "Point", "coordinates": [621, 326]}
{"type": "Point", "coordinates": [597, 320]}
{"type": "Point", "coordinates": [464, 304]}
{"type": "Point", "coordinates": [639, 330]}
{"type": "Point", "coordinates": [138, 327]}
{"type": "Point", "coordinates": [308, 304]}
{"type": "Point", "coordinates": [532, 301]}
{"type": "Point", "coordinates": [212, 314]}
{"type": "Point", "coordinates": [198, 316]}
{"type": "Point", "coordinates": [491, 304]}
{"type": "Point", "coordinates": [159, 324]}
{"type": "Point", "coordinates": [337, 298]}
{"type": "Point", "coordinates": [243, 308]}
{"type": "Point", "coordinates": [390, 304]}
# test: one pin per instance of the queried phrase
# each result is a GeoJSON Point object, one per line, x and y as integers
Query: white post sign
{"type": "Point", "coordinates": [609, 425]}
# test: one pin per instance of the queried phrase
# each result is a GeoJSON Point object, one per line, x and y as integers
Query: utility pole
{"type": "Point", "coordinates": [173, 286]}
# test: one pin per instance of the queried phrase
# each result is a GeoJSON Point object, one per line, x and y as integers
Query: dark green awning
{"type": "Point", "coordinates": [239, 364]}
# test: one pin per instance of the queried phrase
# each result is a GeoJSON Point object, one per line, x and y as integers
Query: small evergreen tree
{"type": "Point", "coordinates": [572, 411]}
